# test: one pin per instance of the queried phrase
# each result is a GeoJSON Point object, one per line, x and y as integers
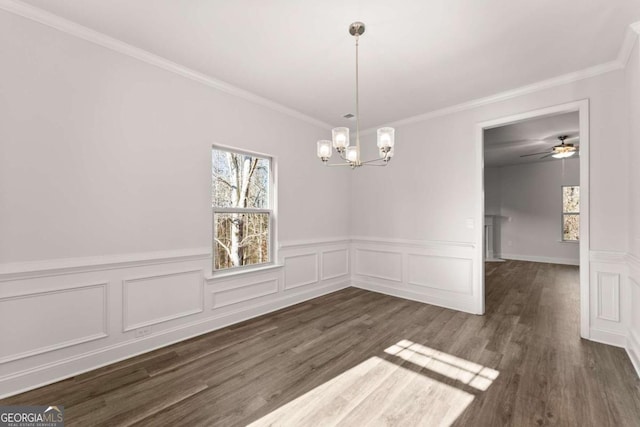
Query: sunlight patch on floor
{"type": "Point", "coordinates": [465, 371]}
{"type": "Point", "coordinates": [384, 392]}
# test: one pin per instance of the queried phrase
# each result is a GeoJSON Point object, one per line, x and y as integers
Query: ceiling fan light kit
{"type": "Point", "coordinates": [560, 151]}
{"type": "Point", "coordinates": [563, 150]}
{"type": "Point", "coordinates": [350, 155]}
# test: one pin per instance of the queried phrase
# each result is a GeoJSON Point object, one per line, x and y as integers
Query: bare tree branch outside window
{"type": "Point", "coordinates": [571, 213]}
{"type": "Point", "coordinates": [242, 215]}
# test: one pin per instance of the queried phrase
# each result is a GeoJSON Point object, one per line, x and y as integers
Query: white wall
{"type": "Point", "coordinates": [529, 197]}
{"type": "Point", "coordinates": [428, 196]}
{"type": "Point", "coordinates": [105, 217]}
{"type": "Point", "coordinates": [104, 154]}
{"type": "Point", "coordinates": [492, 190]}
{"type": "Point", "coordinates": [632, 84]}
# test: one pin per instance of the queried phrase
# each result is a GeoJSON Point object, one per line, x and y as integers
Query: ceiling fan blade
{"type": "Point", "coordinates": [548, 155]}
{"type": "Point", "coordinates": [534, 154]}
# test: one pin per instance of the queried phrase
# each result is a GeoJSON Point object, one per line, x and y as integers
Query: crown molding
{"type": "Point", "coordinates": [631, 36]}
{"type": "Point", "coordinates": [630, 39]}
{"type": "Point", "coordinates": [39, 15]}
{"type": "Point", "coordinates": [46, 18]}
{"type": "Point", "coordinates": [513, 93]}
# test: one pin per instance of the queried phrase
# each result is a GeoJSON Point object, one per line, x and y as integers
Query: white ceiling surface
{"type": "Point", "coordinates": [416, 56]}
{"type": "Point", "coordinates": [504, 145]}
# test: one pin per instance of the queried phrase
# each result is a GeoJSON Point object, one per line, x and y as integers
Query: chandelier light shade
{"type": "Point", "coordinates": [324, 150]}
{"type": "Point", "coordinates": [340, 139]}
{"type": "Point", "coordinates": [350, 154]}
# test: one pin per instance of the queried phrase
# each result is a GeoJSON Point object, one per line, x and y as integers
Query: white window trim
{"type": "Point", "coordinates": [273, 230]}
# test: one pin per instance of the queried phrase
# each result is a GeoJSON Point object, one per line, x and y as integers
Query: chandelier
{"type": "Point", "coordinates": [340, 135]}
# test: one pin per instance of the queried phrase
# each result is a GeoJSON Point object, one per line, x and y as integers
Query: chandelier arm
{"type": "Point", "coordinates": [369, 162]}
{"type": "Point", "coordinates": [385, 135]}
{"type": "Point", "coordinates": [337, 164]}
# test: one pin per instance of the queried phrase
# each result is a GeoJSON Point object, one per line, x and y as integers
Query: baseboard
{"type": "Point", "coordinates": [30, 379]}
{"type": "Point", "coordinates": [633, 350]}
{"type": "Point", "coordinates": [534, 258]}
{"type": "Point", "coordinates": [465, 306]}
{"type": "Point", "coordinates": [615, 339]}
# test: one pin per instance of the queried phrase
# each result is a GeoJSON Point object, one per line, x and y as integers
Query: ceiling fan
{"type": "Point", "coordinates": [560, 151]}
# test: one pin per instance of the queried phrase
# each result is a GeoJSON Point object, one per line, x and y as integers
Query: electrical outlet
{"type": "Point", "coordinates": [143, 332]}
{"type": "Point", "coordinates": [469, 223]}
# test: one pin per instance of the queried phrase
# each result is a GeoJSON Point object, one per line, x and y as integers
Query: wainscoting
{"type": "Point", "coordinates": [62, 317]}
{"type": "Point", "coordinates": [439, 273]}
{"type": "Point", "coordinates": [633, 337]}
{"type": "Point", "coordinates": [608, 292]}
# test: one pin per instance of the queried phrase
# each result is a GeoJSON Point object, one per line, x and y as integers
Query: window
{"type": "Point", "coordinates": [241, 196]}
{"type": "Point", "coordinates": [571, 213]}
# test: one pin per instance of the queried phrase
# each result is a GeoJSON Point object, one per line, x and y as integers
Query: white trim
{"type": "Point", "coordinates": [81, 340]}
{"type": "Point", "coordinates": [513, 93]}
{"type": "Point", "coordinates": [602, 336]}
{"type": "Point", "coordinates": [407, 242]}
{"type": "Point", "coordinates": [214, 293]}
{"type": "Point", "coordinates": [633, 350]}
{"type": "Point", "coordinates": [126, 327]}
{"type": "Point", "coordinates": [335, 276]}
{"type": "Point", "coordinates": [272, 231]}
{"type": "Point", "coordinates": [101, 39]}
{"type": "Point", "coordinates": [62, 266]}
{"type": "Point", "coordinates": [582, 106]}
{"type": "Point", "coordinates": [629, 41]}
{"type": "Point", "coordinates": [608, 257]}
{"type": "Point", "coordinates": [398, 279]}
{"type": "Point", "coordinates": [634, 264]}
{"type": "Point", "coordinates": [290, 244]}
{"type": "Point", "coordinates": [29, 379]}
{"type": "Point", "coordinates": [534, 258]}
{"type": "Point", "coordinates": [460, 303]}
{"type": "Point", "coordinates": [231, 273]}
{"type": "Point", "coordinates": [316, 269]}
{"type": "Point", "coordinates": [39, 15]}
{"type": "Point", "coordinates": [615, 317]}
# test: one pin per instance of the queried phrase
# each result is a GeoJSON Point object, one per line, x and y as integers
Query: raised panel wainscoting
{"type": "Point", "coordinates": [439, 273]}
{"type": "Point", "coordinates": [93, 312]}
{"type": "Point", "coordinates": [109, 310]}
{"type": "Point", "coordinates": [633, 337]}
{"type": "Point", "coordinates": [609, 292]}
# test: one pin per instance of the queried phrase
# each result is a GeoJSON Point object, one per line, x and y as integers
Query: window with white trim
{"type": "Point", "coordinates": [570, 213]}
{"type": "Point", "coordinates": [242, 202]}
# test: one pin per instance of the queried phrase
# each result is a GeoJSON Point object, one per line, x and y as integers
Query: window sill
{"type": "Point", "coordinates": [243, 271]}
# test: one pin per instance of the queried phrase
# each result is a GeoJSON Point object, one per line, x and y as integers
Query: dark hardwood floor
{"type": "Point", "coordinates": [357, 358]}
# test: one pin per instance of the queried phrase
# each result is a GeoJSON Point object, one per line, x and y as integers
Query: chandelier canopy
{"type": "Point", "coordinates": [340, 136]}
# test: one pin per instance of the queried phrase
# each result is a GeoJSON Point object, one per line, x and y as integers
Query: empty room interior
{"type": "Point", "coordinates": [205, 219]}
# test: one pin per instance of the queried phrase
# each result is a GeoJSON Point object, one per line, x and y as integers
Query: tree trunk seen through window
{"type": "Point", "coordinates": [240, 185]}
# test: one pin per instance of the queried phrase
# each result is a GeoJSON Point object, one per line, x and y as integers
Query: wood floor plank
{"type": "Point", "coordinates": [359, 358]}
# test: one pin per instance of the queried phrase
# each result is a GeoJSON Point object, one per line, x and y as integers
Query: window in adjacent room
{"type": "Point", "coordinates": [242, 201]}
{"type": "Point", "coordinates": [570, 213]}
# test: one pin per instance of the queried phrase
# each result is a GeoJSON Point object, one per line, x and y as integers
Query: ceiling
{"type": "Point", "coordinates": [504, 145]}
{"type": "Point", "coordinates": [416, 56]}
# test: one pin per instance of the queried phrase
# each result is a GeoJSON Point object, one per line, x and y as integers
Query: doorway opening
{"type": "Point", "coordinates": [533, 175]}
